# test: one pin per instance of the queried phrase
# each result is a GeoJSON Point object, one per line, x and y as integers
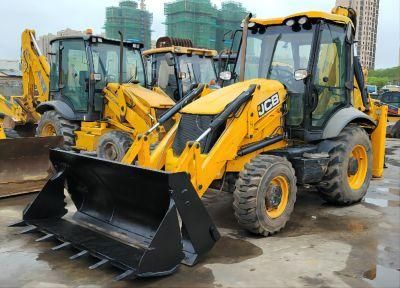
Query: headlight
{"type": "Point", "coordinates": [290, 22]}
{"type": "Point", "coordinates": [303, 20]}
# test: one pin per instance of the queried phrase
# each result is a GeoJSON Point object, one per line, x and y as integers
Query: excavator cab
{"type": "Point", "coordinates": [176, 67]}
{"type": "Point", "coordinates": [312, 58]}
{"type": "Point", "coordinates": [81, 67]}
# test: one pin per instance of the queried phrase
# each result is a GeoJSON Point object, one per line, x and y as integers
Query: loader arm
{"type": "Point", "coordinates": [243, 127]}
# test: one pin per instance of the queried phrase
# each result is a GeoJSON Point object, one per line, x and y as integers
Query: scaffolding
{"type": "Point", "coordinates": [134, 22]}
{"type": "Point", "coordinates": [192, 19]}
{"type": "Point", "coordinates": [230, 17]}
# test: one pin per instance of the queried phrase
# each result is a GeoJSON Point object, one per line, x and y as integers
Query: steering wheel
{"type": "Point", "coordinates": [283, 75]}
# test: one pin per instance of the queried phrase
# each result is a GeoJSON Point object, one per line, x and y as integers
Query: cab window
{"type": "Point", "coordinates": [330, 73]}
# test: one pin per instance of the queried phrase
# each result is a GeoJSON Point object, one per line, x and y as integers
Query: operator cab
{"type": "Point", "coordinates": [176, 67]}
{"type": "Point", "coordinates": [81, 67]}
{"type": "Point", "coordinates": [312, 57]}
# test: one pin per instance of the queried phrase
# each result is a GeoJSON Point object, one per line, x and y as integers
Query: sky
{"type": "Point", "coordinates": [50, 16]}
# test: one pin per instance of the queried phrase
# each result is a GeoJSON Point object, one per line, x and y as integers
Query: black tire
{"type": "Point", "coordinates": [62, 127]}
{"type": "Point", "coordinates": [335, 187]}
{"type": "Point", "coordinates": [252, 186]}
{"type": "Point", "coordinates": [113, 145]}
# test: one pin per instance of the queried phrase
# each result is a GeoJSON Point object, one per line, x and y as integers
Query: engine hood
{"type": "Point", "coordinates": [146, 96]}
{"type": "Point", "coordinates": [215, 102]}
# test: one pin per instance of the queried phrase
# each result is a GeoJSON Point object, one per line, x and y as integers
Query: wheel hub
{"type": "Point", "coordinates": [353, 167]}
{"type": "Point", "coordinates": [274, 196]}
{"type": "Point", "coordinates": [110, 151]}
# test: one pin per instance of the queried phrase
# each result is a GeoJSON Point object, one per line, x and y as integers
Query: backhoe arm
{"type": "Point", "coordinates": [35, 75]}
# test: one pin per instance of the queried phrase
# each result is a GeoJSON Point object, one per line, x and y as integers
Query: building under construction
{"type": "Point", "coordinates": [229, 19]}
{"type": "Point", "coordinates": [192, 19]}
{"type": "Point", "coordinates": [132, 19]}
{"type": "Point", "coordinates": [202, 22]}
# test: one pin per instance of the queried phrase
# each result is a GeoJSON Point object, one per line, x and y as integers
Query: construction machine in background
{"type": "Point", "coordinates": [98, 100]}
{"type": "Point", "coordinates": [175, 67]}
{"type": "Point", "coordinates": [299, 116]}
{"type": "Point", "coordinates": [24, 160]}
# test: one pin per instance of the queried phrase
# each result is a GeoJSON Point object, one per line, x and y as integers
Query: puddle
{"type": "Point", "coordinates": [393, 162]}
{"type": "Point", "coordinates": [380, 276]}
{"type": "Point", "coordinates": [382, 202]}
{"type": "Point", "coordinates": [394, 191]}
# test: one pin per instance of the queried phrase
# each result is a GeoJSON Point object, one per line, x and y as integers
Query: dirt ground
{"type": "Point", "coordinates": [322, 246]}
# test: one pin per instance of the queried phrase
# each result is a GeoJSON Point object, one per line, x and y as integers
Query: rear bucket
{"type": "Point", "coordinates": [24, 164]}
{"type": "Point", "coordinates": [144, 222]}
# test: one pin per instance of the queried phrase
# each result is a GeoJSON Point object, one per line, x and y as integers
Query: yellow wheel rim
{"type": "Point", "coordinates": [277, 197]}
{"type": "Point", "coordinates": [48, 130]}
{"type": "Point", "coordinates": [359, 156]}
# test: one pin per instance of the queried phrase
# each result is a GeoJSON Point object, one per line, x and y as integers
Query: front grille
{"type": "Point", "coordinates": [169, 123]}
{"type": "Point", "coordinates": [189, 129]}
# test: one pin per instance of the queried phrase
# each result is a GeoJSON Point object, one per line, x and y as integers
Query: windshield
{"type": "Point", "coordinates": [106, 63]}
{"type": "Point", "coordinates": [275, 52]}
{"type": "Point", "coordinates": [196, 69]}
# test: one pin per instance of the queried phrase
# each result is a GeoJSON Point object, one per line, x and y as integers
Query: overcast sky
{"type": "Point", "coordinates": [50, 16]}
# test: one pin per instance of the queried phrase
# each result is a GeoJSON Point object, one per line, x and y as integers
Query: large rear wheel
{"type": "Point", "coordinates": [53, 124]}
{"type": "Point", "coordinates": [265, 194]}
{"type": "Point", "coordinates": [350, 169]}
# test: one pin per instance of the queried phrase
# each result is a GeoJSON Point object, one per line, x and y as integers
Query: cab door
{"type": "Point", "coordinates": [329, 89]}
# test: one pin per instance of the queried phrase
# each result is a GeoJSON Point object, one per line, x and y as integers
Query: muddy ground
{"type": "Point", "coordinates": [322, 246]}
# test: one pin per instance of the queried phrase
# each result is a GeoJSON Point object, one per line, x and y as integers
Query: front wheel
{"type": "Point", "coordinates": [53, 123]}
{"type": "Point", "coordinates": [113, 145]}
{"type": "Point", "coordinates": [350, 168]}
{"type": "Point", "coordinates": [265, 194]}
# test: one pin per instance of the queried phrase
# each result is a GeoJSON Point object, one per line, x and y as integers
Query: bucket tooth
{"type": "Point", "coordinates": [45, 237]}
{"type": "Point", "coordinates": [18, 224]}
{"type": "Point", "coordinates": [30, 229]}
{"type": "Point", "coordinates": [98, 264]}
{"type": "Point", "coordinates": [63, 245]}
{"type": "Point", "coordinates": [77, 255]}
{"type": "Point", "coordinates": [127, 215]}
{"type": "Point", "coordinates": [124, 275]}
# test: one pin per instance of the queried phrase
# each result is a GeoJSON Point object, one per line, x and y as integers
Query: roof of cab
{"type": "Point", "coordinates": [181, 50]}
{"type": "Point", "coordinates": [88, 37]}
{"type": "Point", "coordinates": [310, 14]}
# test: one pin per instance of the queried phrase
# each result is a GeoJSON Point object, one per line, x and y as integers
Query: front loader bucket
{"type": "Point", "coordinates": [24, 164]}
{"type": "Point", "coordinates": [144, 222]}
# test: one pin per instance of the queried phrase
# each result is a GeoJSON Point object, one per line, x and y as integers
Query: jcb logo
{"type": "Point", "coordinates": [267, 105]}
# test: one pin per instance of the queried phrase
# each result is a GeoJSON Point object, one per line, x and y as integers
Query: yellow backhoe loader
{"type": "Point", "coordinates": [24, 160]}
{"type": "Point", "coordinates": [175, 67]}
{"type": "Point", "coordinates": [97, 99]}
{"type": "Point", "coordinates": [298, 116]}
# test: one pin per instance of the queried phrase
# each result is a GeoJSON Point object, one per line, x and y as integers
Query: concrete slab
{"type": "Point", "coordinates": [322, 246]}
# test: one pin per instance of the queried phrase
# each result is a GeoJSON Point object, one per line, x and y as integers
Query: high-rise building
{"type": "Point", "coordinates": [201, 21]}
{"type": "Point", "coordinates": [133, 21]}
{"type": "Point", "coordinates": [192, 19]}
{"type": "Point", "coordinates": [366, 30]}
{"type": "Point", "coordinates": [229, 19]}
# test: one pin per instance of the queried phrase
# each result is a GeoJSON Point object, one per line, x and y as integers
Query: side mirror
{"type": "Point", "coordinates": [300, 74]}
{"type": "Point", "coordinates": [169, 57]}
{"type": "Point", "coordinates": [97, 77]}
{"type": "Point", "coordinates": [225, 75]}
